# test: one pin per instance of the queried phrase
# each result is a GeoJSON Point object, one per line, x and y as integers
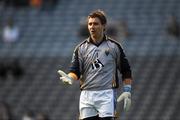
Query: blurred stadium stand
{"type": "Point", "coordinates": [49, 37]}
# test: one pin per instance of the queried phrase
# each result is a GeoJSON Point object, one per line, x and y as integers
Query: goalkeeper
{"type": "Point", "coordinates": [96, 62]}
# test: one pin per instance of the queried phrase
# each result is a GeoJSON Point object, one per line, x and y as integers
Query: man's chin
{"type": "Point", "coordinates": [93, 36]}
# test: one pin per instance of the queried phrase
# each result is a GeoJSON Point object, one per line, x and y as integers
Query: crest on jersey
{"type": "Point", "coordinates": [107, 52]}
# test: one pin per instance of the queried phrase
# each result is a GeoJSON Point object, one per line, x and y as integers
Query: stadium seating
{"type": "Point", "coordinates": [47, 42]}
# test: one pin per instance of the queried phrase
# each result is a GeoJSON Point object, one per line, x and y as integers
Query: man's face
{"type": "Point", "coordinates": [96, 29]}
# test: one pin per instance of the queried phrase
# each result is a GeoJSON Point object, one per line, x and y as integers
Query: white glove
{"type": "Point", "coordinates": [65, 78]}
{"type": "Point", "coordinates": [126, 96]}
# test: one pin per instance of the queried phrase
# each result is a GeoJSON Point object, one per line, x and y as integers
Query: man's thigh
{"type": "Point", "coordinates": [92, 118]}
{"type": "Point", "coordinates": [98, 118]}
{"type": "Point", "coordinates": [86, 106]}
{"type": "Point", "coordinates": [94, 103]}
{"type": "Point", "coordinates": [105, 104]}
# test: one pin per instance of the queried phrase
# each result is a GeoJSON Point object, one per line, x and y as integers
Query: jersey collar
{"type": "Point", "coordinates": [89, 40]}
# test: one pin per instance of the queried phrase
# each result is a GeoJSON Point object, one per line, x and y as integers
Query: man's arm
{"type": "Point", "coordinates": [74, 71]}
{"type": "Point", "coordinates": [73, 76]}
{"type": "Point", "coordinates": [127, 80]}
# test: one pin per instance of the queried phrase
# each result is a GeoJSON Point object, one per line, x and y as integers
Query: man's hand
{"type": "Point", "coordinates": [126, 96]}
{"type": "Point", "coordinates": [65, 78]}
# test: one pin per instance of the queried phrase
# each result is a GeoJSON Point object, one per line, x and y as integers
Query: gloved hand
{"type": "Point", "coordinates": [65, 78]}
{"type": "Point", "coordinates": [126, 96]}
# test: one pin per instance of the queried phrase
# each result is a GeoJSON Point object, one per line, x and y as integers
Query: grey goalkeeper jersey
{"type": "Point", "coordinates": [97, 66]}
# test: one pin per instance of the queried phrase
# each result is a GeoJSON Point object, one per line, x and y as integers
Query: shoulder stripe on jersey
{"type": "Point", "coordinates": [124, 64]}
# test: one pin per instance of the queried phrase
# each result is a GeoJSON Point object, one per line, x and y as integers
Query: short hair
{"type": "Point", "coordinates": [99, 14]}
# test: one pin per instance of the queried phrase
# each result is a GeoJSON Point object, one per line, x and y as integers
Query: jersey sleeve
{"type": "Point", "coordinates": [75, 65]}
{"type": "Point", "coordinates": [123, 64]}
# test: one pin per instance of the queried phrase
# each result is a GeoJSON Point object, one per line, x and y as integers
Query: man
{"type": "Point", "coordinates": [10, 32]}
{"type": "Point", "coordinates": [96, 62]}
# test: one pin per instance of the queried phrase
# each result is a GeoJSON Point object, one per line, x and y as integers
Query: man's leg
{"type": "Point", "coordinates": [107, 118]}
{"type": "Point", "coordinates": [105, 105]}
{"type": "Point", "coordinates": [92, 118]}
{"type": "Point", "coordinates": [98, 118]}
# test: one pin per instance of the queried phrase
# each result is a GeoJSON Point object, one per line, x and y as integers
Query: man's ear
{"type": "Point", "coordinates": [104, 26]}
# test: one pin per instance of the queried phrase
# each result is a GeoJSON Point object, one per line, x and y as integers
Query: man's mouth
{"type": "Point", "coordinates": [92, 31]}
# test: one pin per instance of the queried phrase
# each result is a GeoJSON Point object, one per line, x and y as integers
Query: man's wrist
{"type": "Point", "coordinates": [73, 76]}
{"type": "Point", "coordinates": [127, 88]}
